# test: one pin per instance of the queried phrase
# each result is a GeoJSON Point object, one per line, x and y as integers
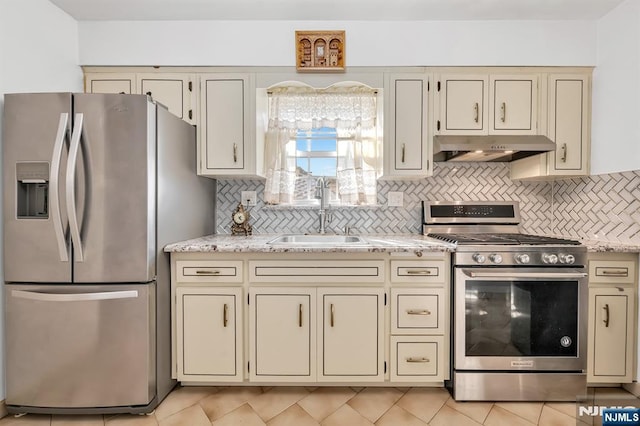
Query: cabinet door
{"type": "Point", "coordinates": [282, 334]}
{"type": "Point", "coordinates": [209, 331]}
{"type": "Point", "coordinates": [514, 104]}
{"type": "Point", "coordinates": [351, 330]}
{"type": "Point", "coordinates": [408, 112]}
{"type": "Point", "coordinates": [110, 83]}
{"type": "Point", "coordinates": [224, 123]}
{"type": "Point", "coordinates": [463, 101]}
{"type": "Point", "coordinates": [569, 116]}
{"type": "Point", "coordinates": [174, 91]}
{"type": "Point", "coordinates": [610, 352]}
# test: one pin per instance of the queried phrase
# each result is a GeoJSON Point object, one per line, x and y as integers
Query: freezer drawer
{"type": "Point", "coordinates": [72, 346]}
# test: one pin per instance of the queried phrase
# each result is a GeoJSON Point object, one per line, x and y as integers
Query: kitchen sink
{"type": "Point", "coordinates": [316, 239]}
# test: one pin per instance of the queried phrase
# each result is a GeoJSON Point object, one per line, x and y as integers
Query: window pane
{"type": "Point", "coordinates": [323, 166]}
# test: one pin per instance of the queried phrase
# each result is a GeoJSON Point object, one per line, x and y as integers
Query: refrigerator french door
{"type": "Point", "coordinates": [87, 295]}
{"type": "Point", "coordinates": [80, 191]}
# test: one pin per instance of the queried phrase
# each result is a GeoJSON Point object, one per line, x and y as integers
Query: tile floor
{"type": "Point", "coordinates": [327, 406]}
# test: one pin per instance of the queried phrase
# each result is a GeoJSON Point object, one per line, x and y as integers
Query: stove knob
{"type": "Point", "coordinates": [522, 259]}
{"type": "Point", "coordinates": [495, 258]}
{"type": "Point", "coordinates": [549, 258]}
{"type": "Point", "coordinates": [479, 258]}
{"type": "Point", "coordinates": [566, 258]}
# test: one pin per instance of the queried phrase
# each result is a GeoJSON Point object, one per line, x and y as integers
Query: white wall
{"type": "Point", "coordinates": [615, 140]}
{"type": "Point", "coordinates": [393, 43]}
{"type": "Point", "coordinates": [38, 52]}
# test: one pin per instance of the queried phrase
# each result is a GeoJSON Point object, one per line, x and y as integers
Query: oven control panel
{"type": "Point", "coordinates": [550, 256]}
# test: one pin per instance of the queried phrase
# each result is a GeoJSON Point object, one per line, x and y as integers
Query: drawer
{"type": "Point", "coordinates": [417, 358]}
{"type": "Point", "coordinates": [417, 310]}
{"type": "Point", "coordinates": [208, 271]}
{"type": "Point", "coordinates": [609, 271]}
{"type": "Point", "coordinates": [318, 271]}
{"type": "Point", "coordinates": [412, 271]}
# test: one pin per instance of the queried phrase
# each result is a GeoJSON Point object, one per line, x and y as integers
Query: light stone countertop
{"type": "Point", "coordinates": [610, 246]}
{"type": "Point", "coordinates": [224, 243]}
{"type": "Point", "coordinates": [258, 244]}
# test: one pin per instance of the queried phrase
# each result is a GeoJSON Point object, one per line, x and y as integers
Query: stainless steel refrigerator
{"type": "Point", "coordinates": [94, 187]}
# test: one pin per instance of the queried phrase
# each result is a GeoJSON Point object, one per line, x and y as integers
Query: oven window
{"type": "Point", "coordinates": [523, 318]}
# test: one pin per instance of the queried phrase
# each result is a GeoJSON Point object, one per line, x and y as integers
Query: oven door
{"type": "Point", "coordinates": [515, 319]}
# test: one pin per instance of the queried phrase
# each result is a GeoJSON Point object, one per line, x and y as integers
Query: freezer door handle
{"type": "Point", "coordinates": [54, 195]}
{"type": "Point", "coordinates": [74, 297]}
{"type": "Point", "coordinates": [74, 148]}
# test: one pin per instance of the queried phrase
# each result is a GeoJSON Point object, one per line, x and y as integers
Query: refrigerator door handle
{"type": "Point", "coordinates": [54, 195]}
{"type": "Point", "coordinates": [74, 297]}
{"type": "Point", "coordinates": [74, 148]}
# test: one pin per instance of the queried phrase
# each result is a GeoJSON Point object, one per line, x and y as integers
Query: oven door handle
{"type": "Point", "coordinates": [518, 274]}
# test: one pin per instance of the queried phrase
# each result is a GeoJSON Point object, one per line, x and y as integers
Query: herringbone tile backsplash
{"type": "Point", "coordinates": [470, 181]}
{"type": "Point", "coordinates": [605, 207]}
{"type": "Point", "coordinates": [602, 207]}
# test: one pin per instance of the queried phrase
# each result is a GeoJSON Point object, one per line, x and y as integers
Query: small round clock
{"type": "Point", "coordinates": [240, 218]}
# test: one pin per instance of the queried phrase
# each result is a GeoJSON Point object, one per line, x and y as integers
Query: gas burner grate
{"type": "Point", "coordinates": [501, 239]}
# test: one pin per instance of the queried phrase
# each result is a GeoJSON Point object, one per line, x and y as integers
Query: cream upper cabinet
{"type": "Point", "coordinates": [351, 334]}
{"type": "Point", "coordinates": [408, 150]}
{"type": "Point", "coordinates": [110, 83]}
{"type": "Point", "coordinates": [209, 334]}
{"type": "Point", "coordinates": [282, 334]}
{"type": "Point", "coordinates": [612, 310]}
{"type": "Point", "coordinates": [513, 104]}
{"type": "Point", "coordinates": [175, 91]}
{"type": "Point", "coordinates": [227, 141]}
{"type": "Point", "coordinates": [487, 104]}
{"type": "Point", "coordinates": [568, 125]}
{"type": "Point", "coordinates": [463, 101]}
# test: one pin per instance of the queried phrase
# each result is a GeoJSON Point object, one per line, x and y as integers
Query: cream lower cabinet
{"type": "Point", "coordinates": [351, 338]}
{"type": "Point", "coordinates": [282, 334]}
{"type": "Point", "coordinates": [209, 334]}
{"type": "Point", "coordinates": [612, 307]}
{"type": "Point", "coordinates": [419, 324]}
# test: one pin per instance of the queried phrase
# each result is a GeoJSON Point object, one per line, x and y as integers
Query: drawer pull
{"type": "Point", "coordinates": [225, 315]}
{"type": "Point", "coordinates": [475, 112]}
{"type": "Point", "coordinates": [419, 272]}
{"type": "Point", "coordinates": [300, 315]}
{"type": "Point", "coordinates": [563, 153]}
{"type": "Point", "coordinates": [503, 112]}
{"type": "Point", "coordinates": [208, 272]}
{"type": "Point", "coordinates": [418, 312]}
{"type": "Point", "coordinates": [331, 322]}
{"type": "Point", "coordinates": [418, 359]}
{"type": "Point", "coordinates": [615, 272]}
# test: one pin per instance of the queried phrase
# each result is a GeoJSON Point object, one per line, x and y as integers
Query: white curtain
{"type": "Point", "coordinates": [352, 111]}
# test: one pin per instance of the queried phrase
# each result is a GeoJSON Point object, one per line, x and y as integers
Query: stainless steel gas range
{"type": "Point", "coordinates": [519, 305]}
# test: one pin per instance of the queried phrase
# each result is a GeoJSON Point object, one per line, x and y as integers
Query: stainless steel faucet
{"type": "Point", "coordinates": [322, 193]}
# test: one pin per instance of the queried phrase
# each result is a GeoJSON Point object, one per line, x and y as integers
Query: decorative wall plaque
{"type": "Point", "coordinates": [320, 50]}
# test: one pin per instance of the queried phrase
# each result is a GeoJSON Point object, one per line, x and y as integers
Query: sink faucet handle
{"type": "Point", "coordinates": [349, 229]}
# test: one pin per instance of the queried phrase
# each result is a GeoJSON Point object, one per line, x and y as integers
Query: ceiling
{"type": "Point", "coordinates": [334, 10]}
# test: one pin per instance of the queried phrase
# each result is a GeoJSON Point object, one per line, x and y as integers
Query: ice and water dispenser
{"type": "Point", "coordinates": [32, 180]}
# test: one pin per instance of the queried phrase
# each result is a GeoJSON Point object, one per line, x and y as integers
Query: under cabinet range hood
{"type": "Point", "coordinates": [489, 148]}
